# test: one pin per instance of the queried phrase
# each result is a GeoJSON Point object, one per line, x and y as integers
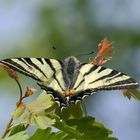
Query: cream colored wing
{"type": "Point", "coordinates": [39, 69]}
{"type": "Point", "coordinates": [101, 78]}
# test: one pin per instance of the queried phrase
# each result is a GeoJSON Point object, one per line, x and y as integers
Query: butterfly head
{"type": "Point", "coordinates": [71, 61]}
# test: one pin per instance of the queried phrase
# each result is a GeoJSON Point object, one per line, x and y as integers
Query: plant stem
{"type": "Point", "coordinates": [7, 128]}
{"type": "Point", "coordinates": [20, 98]}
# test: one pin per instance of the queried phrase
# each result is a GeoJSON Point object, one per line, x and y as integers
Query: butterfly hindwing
{"type": "Point", "coordinates": [57, 96]}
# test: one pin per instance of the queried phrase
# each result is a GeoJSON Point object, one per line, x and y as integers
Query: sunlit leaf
{"type": "Point", "coordinates": [19, 111]}
{"type": "Point", "coordinates": [44, 101]}
{"type": "Point", "coordinates": [41, 122]}
{"type": "Point", "coordinates": [18, 136]}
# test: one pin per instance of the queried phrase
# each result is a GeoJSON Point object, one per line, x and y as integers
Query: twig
{"type": "Point", "coordinates": [7, 128]}
{"type": "Point", "coordinates": [21, 96]}
{"type": "Point", "coordinates": [26, 125]}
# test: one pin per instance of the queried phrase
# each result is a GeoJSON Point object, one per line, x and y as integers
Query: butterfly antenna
{"type": "Point", "coordinates": [83, 54]}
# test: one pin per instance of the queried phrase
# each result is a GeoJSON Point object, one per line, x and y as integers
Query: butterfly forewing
{"type": "Point", "coordinates": [101, 78]}
{"type": "Point", "coordinates": [47, 72]}
{"type": "Point", "coordinates": [57, 82]}
{"type": "Point", "coordinates": [39, 69]}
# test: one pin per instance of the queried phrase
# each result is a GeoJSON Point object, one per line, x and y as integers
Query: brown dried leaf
{"type": "Point", "coordinates": [132, 93]}
{"type": "Point", "coordinates": [30, 91]}
{"type": "Point", "coordinates": [10, 72]}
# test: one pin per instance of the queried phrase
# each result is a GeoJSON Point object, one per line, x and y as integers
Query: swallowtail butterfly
{"type": "Point", "coordinates": [70, 80]}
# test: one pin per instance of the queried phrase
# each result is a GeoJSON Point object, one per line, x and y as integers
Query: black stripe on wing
{"type": "Point", "coordinates": [54, 75]}
{"type": "Point", "coordinates": [114, 80]}
{"type": "Point", "coordinates": [91, 70]}
{"type": "Point", "coordinates": [40, 60]}
{"type": "Point", "coordinates": [80, 83]}
{"type": "Point", "coordinates": [111, 75]}
{"type": "Point", "coordinates": [125, 84]}
{"type": "Point", "coordinates": [28, 61]}
{"type": "Point", "coordinates": [101, 69]}
{"type": "Point", "coordinates": [17, 67]}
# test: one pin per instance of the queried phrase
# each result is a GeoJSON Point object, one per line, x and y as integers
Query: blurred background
{"type": "Point", "coordinates": [31, 28]}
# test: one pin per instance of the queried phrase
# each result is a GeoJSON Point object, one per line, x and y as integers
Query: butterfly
{"type": "Point", "coordinates": [69, 80]}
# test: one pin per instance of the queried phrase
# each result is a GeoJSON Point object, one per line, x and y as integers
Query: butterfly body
{"type": "Point", "coordinates": [67, 93]}
{"type": "Point", "coordinates": [69, 80]}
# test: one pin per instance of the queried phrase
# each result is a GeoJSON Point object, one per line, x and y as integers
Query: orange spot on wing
{"type": "Point", "coordinates": [65, 94]}
{"type": "Point", "coordinates": [71, 92]}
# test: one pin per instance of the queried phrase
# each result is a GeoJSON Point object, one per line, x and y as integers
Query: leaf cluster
{"type": "Point", "coordinates": [71, 123]}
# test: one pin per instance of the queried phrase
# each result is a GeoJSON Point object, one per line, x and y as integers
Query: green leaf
{"type": "Point", "coordinates": [41, 134]}
{"type": "Point", "coordinates": [47, 134]}
{"type": "Point", "coordinates": [90, 129]}
{"type": "Point", "coordinates": [41, 121]}
{"type": "Point", "coordinates": [18, 136]}
{"type": "Point", "coordinates": [19, 111]}
{"type": "Point", "coordinates": [17, 128]}
{"type": "Point", "coordinates": [61, 125]}
{"type": "Point", "coordinates": [85, 128]}
{"type": "Point", "coordinates": [43, 102]}
{"type": "Point", "coordinates": [132, 93]}
{"type": "Point", "coordinates": [61, 136]}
